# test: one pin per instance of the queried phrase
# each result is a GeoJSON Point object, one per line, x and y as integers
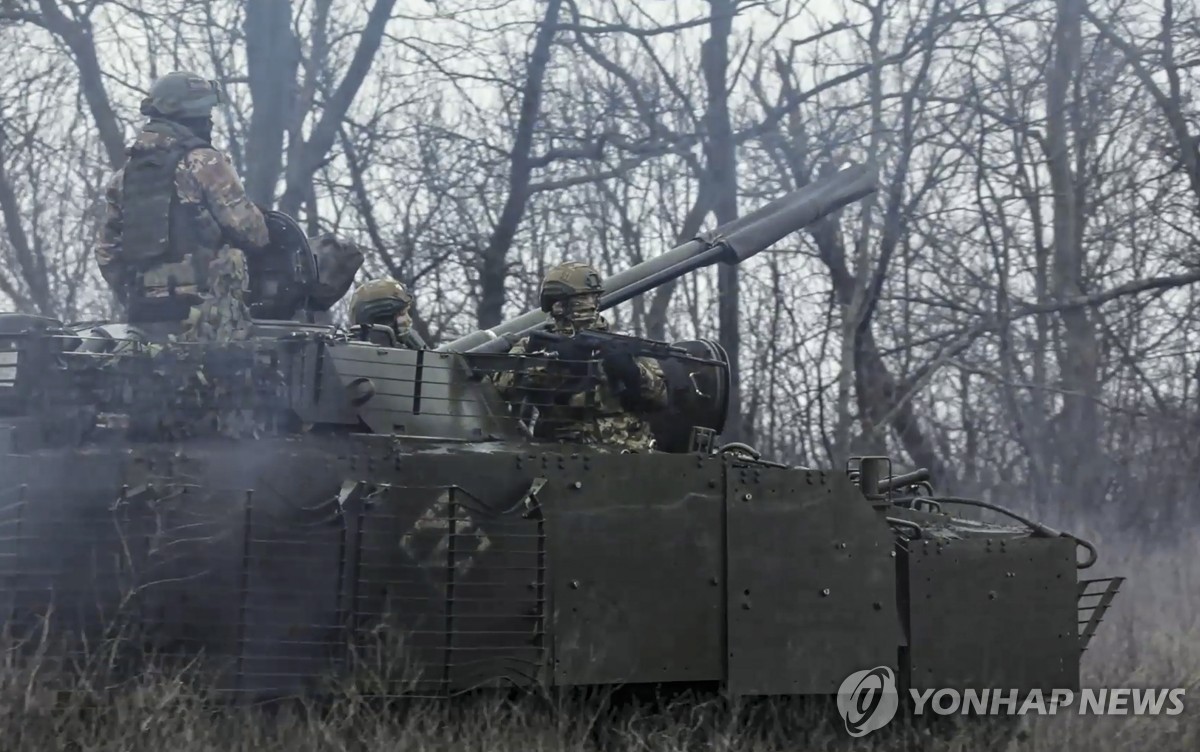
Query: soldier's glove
{"type": "Point", "coordinates": [623, 373]}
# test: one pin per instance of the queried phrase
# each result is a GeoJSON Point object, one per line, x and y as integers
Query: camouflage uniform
{"type": "Point", "coordinates": [178, 218]}
{"type": "Point", "coordinates": [222, 316]}
{"type": "Point", "coordinates": [571, 294]}
{"type": "Point", "coordinates": [381, 313]}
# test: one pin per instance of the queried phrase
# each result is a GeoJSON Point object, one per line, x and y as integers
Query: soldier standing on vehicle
{"type": "Point", "coordinates": [381, 313]}
{"type": "Point", "coordinates": [178, 220]}
{"type": "Point", "coordinates": [571, 293]}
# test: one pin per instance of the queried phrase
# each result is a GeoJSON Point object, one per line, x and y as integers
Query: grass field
{"type": "Point", "coordinates": [1151, 639]}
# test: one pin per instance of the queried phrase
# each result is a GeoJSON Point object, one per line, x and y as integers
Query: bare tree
{"type": "Point", "coordinates": [1015, 308]}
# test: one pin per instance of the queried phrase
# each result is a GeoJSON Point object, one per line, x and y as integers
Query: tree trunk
{"type": "Point", "coordinates": [77, 36]}
{"type": "Point", "coordinates": [721, 156]}
{"type": "Point", "coordinates": [272, 58]}
{"type": "Point", "coordinates": [494, 268]}
{"type": "Point", "coordinates": [1078, 438]}
{"type": "Point", "coordinates": [309, 157]}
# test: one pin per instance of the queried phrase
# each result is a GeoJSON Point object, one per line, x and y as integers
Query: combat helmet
{"type": "Point", "coordinates": [379, 301]}
{"type": "Point", "coordinates": [569, 280]}
{"type": "Point", "coordinates": [181, 94]}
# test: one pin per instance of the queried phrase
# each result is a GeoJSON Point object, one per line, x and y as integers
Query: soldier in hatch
{"type": "Point", "coordinates": [571, 295]}
{"type": "Point", "coordinates": [178, 220]}
{"type": "Point", "coordinates": [381, 313]}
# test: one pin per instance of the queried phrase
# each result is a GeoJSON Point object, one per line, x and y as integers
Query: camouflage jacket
{"type": "Point", "coordinates": [206, 184]}
{"type": "Point", "coordinates": [595, 416]}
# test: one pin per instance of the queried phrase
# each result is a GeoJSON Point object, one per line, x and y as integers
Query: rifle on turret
{"type": "Point", "coordinates": [590, 344]}
{"type": "Point", "coordinates": [615, 353]}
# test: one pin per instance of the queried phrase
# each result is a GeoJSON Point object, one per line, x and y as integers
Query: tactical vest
{"type": "Point", "coordinates": [158, 232]}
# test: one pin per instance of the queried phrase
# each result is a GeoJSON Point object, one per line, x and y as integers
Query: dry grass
{"type": "Point", "coordinates": [1151, 639]}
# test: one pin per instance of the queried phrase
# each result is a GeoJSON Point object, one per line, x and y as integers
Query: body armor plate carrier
{"type": "Point", "coordinates": [159, 232]}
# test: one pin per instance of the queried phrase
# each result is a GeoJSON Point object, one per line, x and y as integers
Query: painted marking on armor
{"type": "Point", "coordinates": [428, 542]}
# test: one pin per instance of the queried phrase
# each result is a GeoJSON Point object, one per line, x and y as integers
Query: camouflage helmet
{"type": "Point", "coordinates": [569, 280]}
{"type": "Point", "coordinates": [181, 94]}
{"type": "Point", "coordinates": [378, 301]}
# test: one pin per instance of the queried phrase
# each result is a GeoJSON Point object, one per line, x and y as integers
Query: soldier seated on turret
{"type": "Point", "coordinates": [380, 313]}
{"type": "Point", "coordinates": [571, 293]}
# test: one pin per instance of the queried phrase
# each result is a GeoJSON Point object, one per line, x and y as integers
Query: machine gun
{"type": "Point", "coordinates": [589, 344]}
{"type": "Point", "coordinates": [615, 353]}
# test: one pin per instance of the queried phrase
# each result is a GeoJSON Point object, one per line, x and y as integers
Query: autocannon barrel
{"type": "Point", "coordinates": [732, 242]}
{"type": "Point", "coordinates": [919, 475]}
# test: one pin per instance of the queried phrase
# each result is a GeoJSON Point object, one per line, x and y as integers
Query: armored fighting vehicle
{"type": "Point", "coordinates": [307, 504]}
